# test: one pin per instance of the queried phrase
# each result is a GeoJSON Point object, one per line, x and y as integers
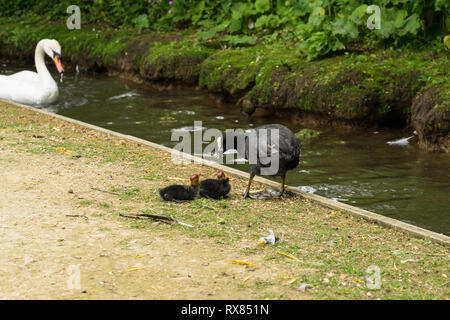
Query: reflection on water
{"type": "Point", "coordinates": [356, 167]}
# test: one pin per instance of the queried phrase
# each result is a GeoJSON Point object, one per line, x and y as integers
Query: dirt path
{"type": "Point", "coordinates": [46, 235]}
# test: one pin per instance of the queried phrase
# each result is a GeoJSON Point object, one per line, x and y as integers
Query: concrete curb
{"type": "Point", "coordinates": [335, 205]}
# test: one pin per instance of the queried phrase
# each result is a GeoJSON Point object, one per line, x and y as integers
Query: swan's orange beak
{"type": "Point", "coordinates": [58, 64]}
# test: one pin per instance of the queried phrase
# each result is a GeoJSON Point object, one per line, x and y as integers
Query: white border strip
{"type": "Point", "coordinates": [336, 205]}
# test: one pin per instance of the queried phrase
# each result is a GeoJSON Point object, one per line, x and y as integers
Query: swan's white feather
{"type": "Point", "coordinates": [34, 88]}
{"type": "Point", "coordinates": [27, 87]}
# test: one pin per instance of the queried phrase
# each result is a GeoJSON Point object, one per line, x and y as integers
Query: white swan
{"type": "Point", "coordinates": [33, 88]}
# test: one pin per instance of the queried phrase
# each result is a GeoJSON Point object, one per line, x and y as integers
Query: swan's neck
{"type": "Point", "coordinates": [41, 68]}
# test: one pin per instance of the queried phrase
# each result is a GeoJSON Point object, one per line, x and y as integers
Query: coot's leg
{"type": "Point", "coordinates": [246, 193]}
{"type": "Point", "coordinates": [282, 191]}
{"type": "Point", "coordinates": [272, 194]}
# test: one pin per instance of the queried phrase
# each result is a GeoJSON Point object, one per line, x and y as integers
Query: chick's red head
{"type": "Point", "coordinates": [221, 175]}
{"type": "Point", "coordinates": [195, 179]}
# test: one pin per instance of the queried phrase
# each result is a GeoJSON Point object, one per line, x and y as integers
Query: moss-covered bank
{"type": "Point", "coordinates": [401, 87]}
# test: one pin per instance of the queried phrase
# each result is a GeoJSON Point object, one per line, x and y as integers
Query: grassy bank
{"type": "Point", "coordinates": [331, 250]}
{"type": "Point", "coordinates": [402, 87]}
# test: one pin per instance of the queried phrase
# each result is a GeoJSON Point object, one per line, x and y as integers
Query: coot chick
{"type": "Point", "coordinates": [214, 189]}
{"type": "Point", "coordinates": [262, 148]}
{"type": "Point", "coordinates": [179, 193]}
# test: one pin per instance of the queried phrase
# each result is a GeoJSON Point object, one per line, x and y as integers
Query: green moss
{"type": "Point", "coordinates": [378, 88]}
{"type": "Point", "coordinates": [231, 71]}
{"type": "Point", "coordinates": [175, 60]}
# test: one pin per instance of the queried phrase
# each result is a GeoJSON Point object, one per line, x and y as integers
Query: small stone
{"type": "Point", "coordinates": [247, 106]}
{"type": "Point", "coordinates": [304, 286]}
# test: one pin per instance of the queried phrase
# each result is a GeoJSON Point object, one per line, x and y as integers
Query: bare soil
{"type": "Point", "coordinates": [45, 233]}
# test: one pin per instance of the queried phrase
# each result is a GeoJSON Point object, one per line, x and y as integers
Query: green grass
{"type": "Point", "coordinates": [86, 203]}
{"type": "Point", "coordinates": [104, 205]}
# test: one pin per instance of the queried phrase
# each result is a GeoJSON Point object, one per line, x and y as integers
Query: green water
{"type": "Point", "coordinates": [357, 167]}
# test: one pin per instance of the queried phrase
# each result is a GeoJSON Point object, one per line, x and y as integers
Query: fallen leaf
{"type": "Point", "coordinates": [358, 280]}
{"type": "Point", "coordinates": [334, 212]}
{"type": "Point", "coordinates": [291, 279]}
{"type": "Point", "coordinates": [409, 260]}
{"type": "Point", "coordinates": [134, 269]}
{"type": "Point", "coordinates": [241, 262]}
{"type": "Point", "coordinates": [288, 255]}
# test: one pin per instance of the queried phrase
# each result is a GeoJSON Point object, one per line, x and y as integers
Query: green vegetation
{"type": "Point", "coordinates": [316, 28]}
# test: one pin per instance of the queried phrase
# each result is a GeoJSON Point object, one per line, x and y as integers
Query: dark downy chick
{"type": "Point", "coordinates": [215, 189]}
{"type": "Point", "coordinates": [179, 193]}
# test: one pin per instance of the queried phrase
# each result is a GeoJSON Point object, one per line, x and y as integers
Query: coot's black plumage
{"type": "Point", "coordinates": [215, 188]}
{"type": "Point", "coordinates": [263, 139]}
{"type": "Point", "coordinates": [179, 193]}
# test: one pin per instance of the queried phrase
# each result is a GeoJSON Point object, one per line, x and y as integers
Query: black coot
{"type": "Point", "coordinates": [215, 189]}
{"type": "Point", "coordinates": [261, 148]}
{"type": "Point", "coordinates": [179, 193]}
